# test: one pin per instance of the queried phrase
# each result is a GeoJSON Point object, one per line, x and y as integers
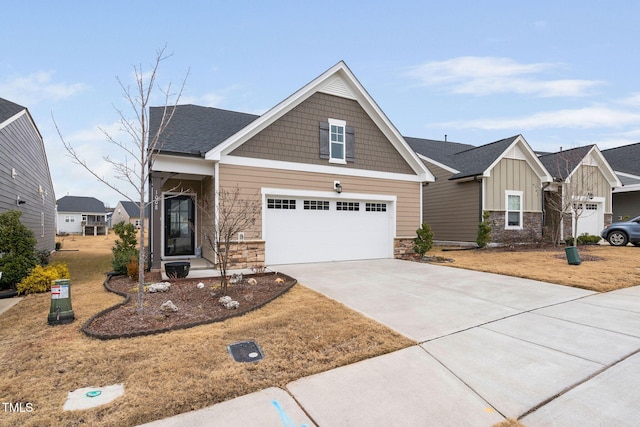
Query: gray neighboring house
{"type": "Point", "coordinates": [81, 215]}
{"type": "Point", "coordinates": [504, 178]}
{"type": "Point", "coordinates": [25, 178]}
{"type": "Point", "coordinates": [129, 213]}
{"type": "Point", "coordinates": [625, 161]}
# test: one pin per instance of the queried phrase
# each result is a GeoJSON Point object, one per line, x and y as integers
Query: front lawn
{"type": "Point", "coordinates": [301, 333]}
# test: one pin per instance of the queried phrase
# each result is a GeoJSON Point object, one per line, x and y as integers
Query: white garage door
{"type": "Point", "coordinates": [299, 230]}
{"type": "Point", "coordinates": [591, 220]}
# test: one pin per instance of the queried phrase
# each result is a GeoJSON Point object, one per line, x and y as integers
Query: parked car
{"type": "Point", "coordinates": [621, 233]}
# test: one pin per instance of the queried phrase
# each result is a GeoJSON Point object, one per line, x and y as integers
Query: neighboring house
{"type": "Point", "coordinates": [24, 173]}
{"type": "Point", "coordinates": [586, 179]}
{"type": "Point", "coordinates": [335, 178]}
{"type": "Point", "coordinates": [129, 213]}
{"type": "Point", "coordinates": [81, 215]}
{"type": "Point", "coordinates": [625, 161]}
{"type": "Point", "coordinates": [505, 178]}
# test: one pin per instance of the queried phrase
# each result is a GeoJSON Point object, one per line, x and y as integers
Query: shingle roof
{"type": "Point", "coordinates": [194, 129]}
{"type": "Point", "coordinates": [467, 159]}
{"type": "Point", "coordinates": [80, 204]}
{"type": "Point", "coordinates": [9, 109]}
{"type": "Point", "coordinates": [624, 159]}
{"type": "Point", "coordinates": [561, 164]}
{"type": "Point", "coordinates": [133, 210]}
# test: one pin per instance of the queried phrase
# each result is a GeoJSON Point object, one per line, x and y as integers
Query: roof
{"type": "Point", "coordinates": [194, 130]}
{"type": "Point", "coordinates": [624, 159]}
{"type": "Point", "coordinates": [80, 204]}
{"type": "Point", "coordinates": [562, 164]}
{"type": "Point", "coordinates": [133, 210]}
{"type": "Point", "coordinates": [9, 109]}
{"type": "Point", "coordinates": [467, 159]}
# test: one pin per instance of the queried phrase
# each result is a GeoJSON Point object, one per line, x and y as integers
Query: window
{"type": "Point", "coordinates": [513, 214]}
{"type": "Point", "coordinates": [337, 141]}
{"type": "Point", "coordinates": [316, 205]}
{"type": "Point", "coordinates": [376, 207]}
{"type": "Point", "coordinates": [347, 206]}
{"type": "Point", "coordinates": [281, 204]}
{"type": "Point", "coordinates": [69, 218]}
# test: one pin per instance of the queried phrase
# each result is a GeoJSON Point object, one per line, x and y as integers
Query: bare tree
{"type": "Point", "coordinates": [228, 215]}
{"type": "Point", "coordinates": [576, 183]}
{"type": "Point", "coordinates": [140, 148]}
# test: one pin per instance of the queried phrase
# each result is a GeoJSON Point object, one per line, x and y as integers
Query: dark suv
{"type": "Point", "coordinates": [621, 233]}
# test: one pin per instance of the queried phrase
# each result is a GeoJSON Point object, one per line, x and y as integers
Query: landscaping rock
{"type": "Point", "coordinates": [252, 281]}
{"type": "Point", "coordinates": [229, 303]}
{"type": "Point", "coordinates": [200, 285]}
{"type": "Point", "coordinates": [168, 307]}
{"type": "Point", "coordinates": [159, 287]}
{"type": "Point", "coordinates": [235, 278]}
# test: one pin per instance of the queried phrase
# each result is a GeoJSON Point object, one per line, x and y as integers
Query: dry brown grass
{"type": "Point", "coordinates": [604, 268]}
{"type": "Point", "coordinates": [301, 333]}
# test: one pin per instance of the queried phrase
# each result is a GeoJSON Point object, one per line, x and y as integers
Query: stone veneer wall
{"type": "Point", "coordinates": [246, 254]}
{"type": "Point", "coordinates": [403, 248]}
{"type": "Point", "coordinates": [530, 233]}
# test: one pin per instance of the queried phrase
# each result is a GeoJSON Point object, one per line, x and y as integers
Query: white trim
{"type": "Point", "coordinates": [440, 165]}
{"type": "Point", "coordinates": [626, 188]}
{"type": "Point", "coordinates": [531, 158]}
{"type": "Point", "coordinates": [183, 164]}
{"type": "Point", "coordinates": [13, 118]}
{"type": "Point", "coordinates": [326, 169]}
{"type": "Point", "coordinates": [343, 125]}
{"type": "Point", "coordinates": [520, 194]}
{"type": "Point", "coordinates": [594, 155]}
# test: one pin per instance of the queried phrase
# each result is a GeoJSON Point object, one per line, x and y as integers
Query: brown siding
{"type": "Point", "coordinates": [626, 205]}
{"type": "Point", "coordinates": [252, 179]}
{"type": "Point", "coordinates": [451, 208]}
{"type": "Point", "coordinates": [295, 137]}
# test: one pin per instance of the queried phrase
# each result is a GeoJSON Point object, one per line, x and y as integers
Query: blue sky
{"type": "Point", "coordinates": [562, 73]}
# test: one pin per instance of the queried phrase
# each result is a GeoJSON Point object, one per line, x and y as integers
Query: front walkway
{"type": "Point", "coordinates": [489, 347]}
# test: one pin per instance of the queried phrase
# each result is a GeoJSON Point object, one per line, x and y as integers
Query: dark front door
{"type": "Point", "coordinates": [179, 226]}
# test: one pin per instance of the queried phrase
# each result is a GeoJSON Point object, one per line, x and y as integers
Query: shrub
{"type": "Point", "coordinates": [41, 277]}
{"type": "Point", "coordinates": [484, 231]}
{"type": "Point", "coordinates": [132, 268]}
{"type": "Point", "coordinates": [44, 257]}
{"type": "Point", "coordinates": [121, 259]}
{"type": "Point", "coordinates": [584, 239]}
{"type": "Point", "coordinates": [424, 242]}
{"type": "Point", "coordinates": [17, 245]}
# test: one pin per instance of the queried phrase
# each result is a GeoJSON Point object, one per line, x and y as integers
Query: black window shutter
{"type": "Point", "coordinates": [324, 140]}
{"type": "Point", "coordinates": [351, 142]}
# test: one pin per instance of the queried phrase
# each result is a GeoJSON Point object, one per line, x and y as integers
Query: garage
{"type": "Point", "coordinates": [591, 219]}
{"type": "Point", "coordinates": [312, 229]}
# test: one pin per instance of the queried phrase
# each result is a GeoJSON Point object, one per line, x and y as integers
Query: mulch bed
{"type": "Point", "coordinates": [196, 306]}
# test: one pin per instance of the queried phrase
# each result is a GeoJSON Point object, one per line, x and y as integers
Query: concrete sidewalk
{"type": "Point", "coordinates": [490, 347]}
{"type": "Point", "coordinates": [7, 303]}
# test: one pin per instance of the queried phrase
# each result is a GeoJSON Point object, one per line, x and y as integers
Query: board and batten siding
{"type": "Point", "coordinates": [24, 173]}
{"type": "Point", "coordinates": [590, 179]}
{"type": "Point", "coordinates": [451, 208]}
{"type": "Point", "coordinates": [514, 175]}
{"type": "Point", "coordinates": [252, 179]}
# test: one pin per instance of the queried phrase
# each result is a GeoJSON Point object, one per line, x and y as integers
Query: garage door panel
{"type": "Point", "coordinates": [301, 235]}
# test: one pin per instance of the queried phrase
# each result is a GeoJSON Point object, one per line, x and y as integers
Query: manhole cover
{"type": "Point", "coordinates": [246, 351]}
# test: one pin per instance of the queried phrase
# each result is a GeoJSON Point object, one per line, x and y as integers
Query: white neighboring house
{"type": "Point", "coordinates": [129, 212]}
{"type": "Point", "coordinates": [81, 215]}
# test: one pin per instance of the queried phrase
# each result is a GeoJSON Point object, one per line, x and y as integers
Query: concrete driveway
{"type": "Point", "coordinates": [488, 347]}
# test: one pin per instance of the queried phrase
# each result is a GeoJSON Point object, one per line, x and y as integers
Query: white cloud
{"type": "Point", "coordinates": [583, 118]}
{"type": "Point", "coordinates": [36, 87]}
{"type": "Point", "coordinates": [474, 75]}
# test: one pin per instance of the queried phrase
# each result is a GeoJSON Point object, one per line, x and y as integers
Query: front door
{"type": "Point", "coordinates": [179, 226]}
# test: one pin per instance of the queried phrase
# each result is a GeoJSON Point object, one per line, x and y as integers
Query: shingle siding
{"type": "Point", "coordinates": [295, 137]}
{"type": "Point", "coordinates": [22, 150]}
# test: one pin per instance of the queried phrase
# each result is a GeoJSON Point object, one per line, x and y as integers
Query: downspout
{"type": "Point", "coordinates": [479, 180]}
{"type": "Point", "coordinates": [544, 211]}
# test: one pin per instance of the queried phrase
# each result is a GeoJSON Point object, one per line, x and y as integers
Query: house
{"type": "Point", "coordinates": [24, 173]}
{"type": "Point", "coordinates": [504, 178]}
{"type": "Point", "coordinates": [129, 213]}
{"type": "Point", "coordinates": [625, 161]}
{"type": "Point", "coordinates": [81, 215]}
{"type": "Point", "coordinates": [335, 179]}
{"type": "Point", "coordinates": [582, 178]}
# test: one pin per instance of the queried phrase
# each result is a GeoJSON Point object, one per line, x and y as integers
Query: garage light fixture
{"type": "Point", "coordinates": [337, 187]}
